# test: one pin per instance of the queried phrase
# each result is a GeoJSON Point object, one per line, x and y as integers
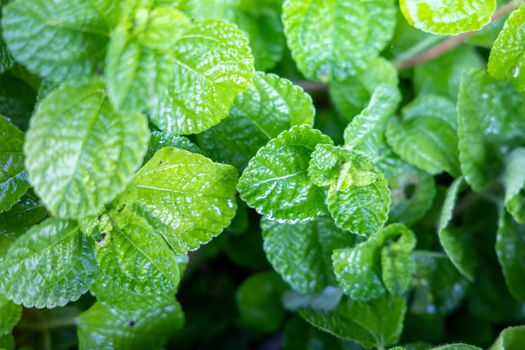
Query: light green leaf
{"type": "Point", "coordinates": [438, 287]}
{"type": "Point", "coordinates": [510, 243]}
{"type": "Point", "coordinates": [457, 346]}
{"type": "Point", "coordinates": [213, 63]}
{"type": "Point", "coordinates": [140, 62]}
{"type": "Point", "coordinates": [51, 265]}
{"type": "Point", "coordinates": [58, 39]}
{"type": "Point", "coordinates": [359, 200]}
{"type": "Point", "coordinates": [331, 40]}
{"type": "Point", "coordinates": [326, 300]}
{"type": "Point", "coordinates": [259, 302]}
{"type": "Point", "coordinates": [325, 164]}
{"type": "Point", "coordinates": [146, 324]}
{"type": "Point", "coordinates": [491, 119]}
{"type": "Point", "coordinates": [511, 338]}
{"type": "Point", "coordinates": [377, 323]}
{"type": "Point", "coordinates": [6, 60]}
{"type": "Point", "coordinates": [13, 176]}
{"type": "Point", "coordinates": [369, 269]}
{"type": "Point", "coordinates": [80, 153]}
{"type": "Point", "coordinates": [383, 104]}
{"type": "Point", "coordinates": [185, 198]}
{"type": "Point", "coordinates": [448, 16]}
{"type": "Point", "coordinates": [270, 106]}
{"type": "Point", "coordinates": [514, 180]}
{"type": "Point", "coordinates": [507, 56]}
{"type": "Point", "coordinates": [259, 19]}
{"type": "Point", "coordinates": [450, 201]}
{"type": "Point", "coordinates": [275, 182]}
{"type": "Point", "coordinates": [26, 212]}
{"type": "Point", "coordinates": [301, 253]}
{"type": "Point", "coordinates": [442, 75]}
{"type": "Point", "coordinates": [412, 190]}
{"type": "Point", "coordinates": [352, 94]}
{"type": "Point", "coordinates": [427, 135]}
{"type": "Point", "coordinates": [160, 139]}
{"type": "Point", "coordinates": [11, 314]}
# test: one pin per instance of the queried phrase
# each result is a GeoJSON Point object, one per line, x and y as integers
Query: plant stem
{"type": "Point", "coordinates": [404, 62]}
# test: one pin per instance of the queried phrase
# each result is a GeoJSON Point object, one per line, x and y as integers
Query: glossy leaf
{"type": "Point", "coordinates": [371, 268]}
{"type": "Point", "coordinates": [299, 335]}
{"type": "Point", "coordinates": [75, 169]}
{"type": "Point", "coordinates": [270, 106]}
{"type": "Point", "coordinates": [160, 139]}
{"type": "Point", "coordinates": [377, 323]}
{"type": "Point", "coordinates": [26, 212]}
{"type": "Point", "coordinates": [58, 39]}
{"type": "Point", "coordinates": [145, 324]}
{"type": "Point", "coordinates": [275, 182]}
{"type": "Point", "coordinates": [11, 314]}
{"type": "Point", "coordinates": [511, 338]}
{"type": "Point", "coordinates": [448, 16]}
{"type": "Point", "coordinates": [13, 176]}
{"type": "Point", "coordinates": [514, 179]}
{"type": "Point", "coordinates": [427, 135]}
{"type": "Point", "coordinates": [213, 63]}
{"type": "Point", "coordinates": [301, 253]}
{"type": "Point", "coordinates": [457, 346]}
{"type": "Point", "coordinates": [51, 265]}
{"type": "Point", "coordinates": [331, 40]}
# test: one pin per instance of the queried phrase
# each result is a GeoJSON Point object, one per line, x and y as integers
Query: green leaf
{"type": "Point", "coordinates": [6, 59]}
{"type": "Point", "coordinates": [331, 40]}
{"type": "Point", "coordinates": [80, 153]}
{"type": "Point", "coordinates": [325, 164]}
{"type": "Point", "coordinates": [185, 198]}
{"type": "Point", "coordinates": [140, 62]}
{"type": "Point", "coordinates": [380, 264]}
{"type": "Point", "coordinates": [275, 182]}
{"type": "Point", "coordinates": [511, 338]}
{"type": "Point", "coordinates": [270, 106]}
{"type": "Point", "coordinates": [383, 104]}
{"type": "Point", "coordinates": [160, 139]}
{"type": "Point", "coordinates": [326, 300]}
{"type": "Point", "coordinates": [514, 180]}
{"type": "Point", "coordinates": [450, 201]}
{"type": "Point", "coordinates": [57, 39]}
{"type": "Point", "coordinates": [17, 99]}
{"type": "Point", "coordinates": [301, 253]}
{"type": "Point", "coordinates": [491, 120]}
{"type": "Point", "coordinates": [352, 94]}
{"type": "Point", "coordinates": [299, 335]}
{"type": "Point", "coordinates": [510, 242]}
{"type": "Point", "coordinates": [427, 135]}
{"type": "Point", "coordinates": [259, 19]}
{"type": "Point", "coordinates": [457, 346]}
{"type": "Point", "coordinates": [26, 212]}
{"type": "Point", "coordinates": [377, 323]}
{"type": "Point", "coordinates": [259, 302]}
{"type": "Point", "coordinates": [51, 265]}
{"type": "Point", "coordinates": [412, 190]}
{"type": "Point", "coordinates": [13, 176]}
{"type": "Point", "coordinates": [11, 314]}
{"type": "Point", "coordinates": [438, 287]}
{"type": "Point", "coordinates": [359, 199]}
{"type": "Point", "coordinates": [213, 63]}
{"type": "Point", "coordinates": [507, 58]}
{"type": "Point", "coordinates": [448, 16]}
{"type": "Point", "coordinates": [146, 324]}
{"type": "Point", "coordinates": [442, 75]}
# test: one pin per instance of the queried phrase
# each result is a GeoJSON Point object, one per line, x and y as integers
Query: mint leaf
{"type": "Point", "coordinates": [26, 212]}
{"type": "Point", "coordinates": [270, 106]}
{"type": "Point", "coordinates": [140, 62]}
{"type": "Point", "coordinates": [491, 120]}
{"type": "Point", "coordinates": [507, 55]}
{"type": "Point", "coordinates": [510, 242]}
{"type": "Point", "coordinates": [301, 253]}
{"type": "Point", "coordinates": [299, 335]}
{"type": "Point", "coordinates": [330, 40]}
{"type": "Point", "coordinates": [185, 198]}
{"type": "Point", "coordinates": [17, 99]}
{"type": "Point", "coordinates": [380, 264]}
{"type": "Point", "coordinates": [80, 153]}
{"type": "Point", "coordinates": [7, 341]}
{"type": "Point", "coordinates": [448, 16]}
{"type": "Point", "coordinates": [50, 265]}
{"type": "Point", "coordinates": [145, 324]}
{"type": "Point", "coordinates": [259, 302]}
{"type": "Point", "coordinates": [514, 180]}
{"type": "Point", "coordinates": [13, 176]}
{"type": "Point", "coordinates": [160, 139]}
{"type": "Point", "coordinates": [11, 314]}
{"type": "Point", "coordinates": [429, 125]}
{"type": "Point", "coordinates": [213, 63]}
{"type": "Point", "coordinates": [57, 40]}
{"type": "Point", "coordinates": [457, 346]}
{"type": "Point", "coordinates": [352, 94]}
{"type": "Point", "coordinates": [377, 323]}
{"type": "Point", "coordinates": [510, 338]}
{"type": "Point", "coordinates": [275, 182]}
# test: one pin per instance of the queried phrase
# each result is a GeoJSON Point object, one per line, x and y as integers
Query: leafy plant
{"type": "Point", "coordinates": [297, 174]}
